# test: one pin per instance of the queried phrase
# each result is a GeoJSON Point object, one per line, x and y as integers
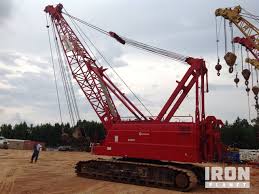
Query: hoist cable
{"type": "Point", "coordinates": [78, 29]}
{"type": "Point", "coordinates": [252, 74]}
{"type": "Point", "coordinates": [247, 56]}
{"type": "Point", "coordinates": [238, 47]}
{"type": "Point", "coordinates": [218, 28]}
{"type": "Point", "coordinates": [72, 92]}
{"type": "Point", "coordinates": [249, 110]}
{"type": "Point", "coordinates": [146, 47]}
{"type": "Point", "coordinates": [256, 76]}
{"type": "Point", "coordinates": [64, 84]}
{"type": "Point", "coordinates": [54, 72]}
{"type": "Point", "coordinates": [155, 50]}
{"type": "Point", "coordinates": [86, 44]}
{"type": "Point", "coordinates": [225, 36]}
{"type": "Point", "coordinates": [104, 58]}
{"type": "Point", "coordinates": [68, 88]}
{"type": "Point", "coordinates": [217, 38]}
{"type": "Point", "coordinates": [86, 23]}
{"type": "Point", "coordinates": [242, 59]}
{"type": "Point", "coordinates": [249, 15]}
{"type": "Point", "coordinates": [74, 98]}
{"type": "Point", "coordinates": [232, 36]}
{"type": "Point", "coordinates": [63, 76]}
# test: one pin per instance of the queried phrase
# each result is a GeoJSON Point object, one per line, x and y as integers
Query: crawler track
{"type": "Point", "coordinates": [162, 175]}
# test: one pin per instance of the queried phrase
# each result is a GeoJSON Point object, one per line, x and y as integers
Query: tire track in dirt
{"type": "Point", "coordinates": [7, 183]}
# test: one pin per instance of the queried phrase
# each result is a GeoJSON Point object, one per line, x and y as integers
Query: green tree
{"type": "Point", "coordinates": [6, 131]}
{"type": "Point", "coordinates": [239, 134]}
{"type": "Point", "coordinates": [21, 131]}
{"type": "Point", "coordinates": [92, 129]}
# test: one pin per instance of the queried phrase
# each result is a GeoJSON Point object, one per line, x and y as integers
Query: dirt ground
{"type": "Point", "coordinates": [54, 174]}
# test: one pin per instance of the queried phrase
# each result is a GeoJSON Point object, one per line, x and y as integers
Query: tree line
{"type": "Point", "coordinates": [51, 134]}
{"type": "Point", "coordinates": [240, 134]}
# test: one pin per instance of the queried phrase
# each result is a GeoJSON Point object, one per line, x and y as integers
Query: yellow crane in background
{"type": "Point", "coordinates": [239, 17]}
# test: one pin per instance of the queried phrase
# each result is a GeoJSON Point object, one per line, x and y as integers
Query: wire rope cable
{"type": "Point", "coordinates": [105, 59]}
{"type": "Point", "coordinates": [54, 71]}
{"type": "Point", "coordinates": [63, 77]}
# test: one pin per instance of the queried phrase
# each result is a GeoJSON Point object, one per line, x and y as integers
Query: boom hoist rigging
{"type": "Point", "coordinates": [66, 82]}
{"type": "Point", "coordinates": [239, 17]}
{"type": "Point", "coordinates": [152, 151]}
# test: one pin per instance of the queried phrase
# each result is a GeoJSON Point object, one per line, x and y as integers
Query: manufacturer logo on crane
{"type": "Point", "coordinates": [143, 134]}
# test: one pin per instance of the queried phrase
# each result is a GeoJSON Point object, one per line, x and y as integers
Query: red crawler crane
{"type": "Point", "coordinates": [147, 149]}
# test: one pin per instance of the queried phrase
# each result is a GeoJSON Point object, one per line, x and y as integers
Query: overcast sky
{"type": "Point", "coordinates": [27, 88]}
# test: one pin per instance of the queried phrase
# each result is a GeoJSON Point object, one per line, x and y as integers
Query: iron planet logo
{"type": "Point", "coordinates": [227, 177]}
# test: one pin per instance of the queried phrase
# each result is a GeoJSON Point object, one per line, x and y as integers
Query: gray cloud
{"type": "Point", "coordinates": [4, 72]}
{"type": "Point", "coordinates": [17, 118]}
{"type": "Point", "coordinates": [8, 58]}
{"type": "Point", "coordinates": [30, 89]}
{"type": "Point", "coordinates": [32, 96]}
{"type": "Point", "coordinates": [221, 87]}
{"type": "Point", "coordinates": [119, 63]}
{"type": "Point", "coordinates": [6, 8]}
